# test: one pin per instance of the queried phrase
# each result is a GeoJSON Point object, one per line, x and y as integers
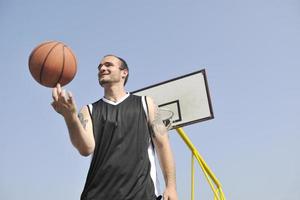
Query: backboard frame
{"type": "Point", "coordinates": [176, 102]}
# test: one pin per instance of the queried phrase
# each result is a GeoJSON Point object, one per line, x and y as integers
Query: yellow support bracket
{"type": "Point", "coordinates": [213, 182]}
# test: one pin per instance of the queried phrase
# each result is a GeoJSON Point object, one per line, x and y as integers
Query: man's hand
{"type": "Point", "coordinates": [63, 103]}
{"type": "Point", "coordinates": [170, 194]}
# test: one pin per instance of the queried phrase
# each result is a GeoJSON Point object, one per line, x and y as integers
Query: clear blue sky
{"type": "Point", "coordinates": [250, 50]}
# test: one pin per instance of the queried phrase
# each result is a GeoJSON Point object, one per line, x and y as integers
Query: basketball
{"type": "Point", "coordinates": [52, 62]}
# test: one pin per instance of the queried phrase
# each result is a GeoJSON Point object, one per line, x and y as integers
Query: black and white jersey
{"type": "Point", "coordinates": [123, 164]}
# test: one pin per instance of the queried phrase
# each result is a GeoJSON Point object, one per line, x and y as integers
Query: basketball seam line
{"type": "Point", "coordinates": [36, 48]}
{"type": "Point", "coordinates": [74, 57]}
{"type": "Point", "coordinates": [63, 67]}
{"type": "Point", "coordinates": [42, 70]}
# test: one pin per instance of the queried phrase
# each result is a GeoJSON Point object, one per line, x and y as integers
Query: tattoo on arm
{"type": "Point", "coordinates": [157, 123]}
{"type": "Point", "coordinates": [82, 120]}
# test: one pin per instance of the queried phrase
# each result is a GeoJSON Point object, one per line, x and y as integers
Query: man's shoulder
{"type": "Point", "coordinates": [140, 96]}
{"type": "Point", "coordinates": [97, 101]}
{"type": "Point", "coordinates": [134, 96]}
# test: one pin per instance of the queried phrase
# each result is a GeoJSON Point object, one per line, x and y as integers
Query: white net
{"type": "Point", "coordinates": [166, 116]}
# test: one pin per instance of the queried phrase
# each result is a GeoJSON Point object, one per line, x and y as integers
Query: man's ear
{"type": "Point", "coordinates": [124, 73]}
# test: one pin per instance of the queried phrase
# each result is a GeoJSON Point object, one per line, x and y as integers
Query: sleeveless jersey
{"type": "Point", "coordinates": [120, 166]}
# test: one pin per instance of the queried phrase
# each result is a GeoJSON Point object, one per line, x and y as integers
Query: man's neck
{"type": "Point", "coordinates": [114, 93]}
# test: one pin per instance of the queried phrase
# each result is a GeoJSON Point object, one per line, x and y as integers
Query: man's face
{"type": "Point", "coordinates": [110, 72]}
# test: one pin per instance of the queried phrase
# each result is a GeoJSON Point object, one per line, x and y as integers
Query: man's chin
{"type": "Point", "coordinates": [103, 82]}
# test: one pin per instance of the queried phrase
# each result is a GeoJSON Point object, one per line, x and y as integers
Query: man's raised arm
{"type": "Point", "coordinates": [79, 126]}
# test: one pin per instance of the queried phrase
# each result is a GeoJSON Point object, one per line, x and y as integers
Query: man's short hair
{"type": "Point", "coordinates": [123, 65]}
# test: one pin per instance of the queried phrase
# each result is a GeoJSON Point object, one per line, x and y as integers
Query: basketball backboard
{"type": "Point", "coordinates": [186, 96]}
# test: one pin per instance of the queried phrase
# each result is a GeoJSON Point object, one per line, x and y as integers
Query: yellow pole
{"type": "Point", "coordinates": [193, 178]}
{"type": "Point", "coordinates": [207, 172]}
{"type": "Point", "coordinates": [193, 149]}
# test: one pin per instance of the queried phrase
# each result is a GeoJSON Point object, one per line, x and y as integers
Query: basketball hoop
{"type": "Point", "coordinates": [166, 116]}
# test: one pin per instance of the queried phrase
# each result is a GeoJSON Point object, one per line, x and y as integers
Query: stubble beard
{"type": "Point", "coordinates": [108, 81]}
{"type": "Point", "coordinates": [104, 82]}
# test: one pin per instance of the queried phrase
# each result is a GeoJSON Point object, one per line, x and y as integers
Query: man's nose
{"type": "Point", "coordinates": [103, 69]}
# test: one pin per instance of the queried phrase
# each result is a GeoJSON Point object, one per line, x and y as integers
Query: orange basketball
{"type": "Point", "coordinates": [52, 62]}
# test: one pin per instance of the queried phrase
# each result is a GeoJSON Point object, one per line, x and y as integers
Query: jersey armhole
{"type": "Point", "coordinates": [151, 152]}
{"type": "Point", "coordinates": [90, 108]}
{"type": "Point", "coordinates": [145, 106]}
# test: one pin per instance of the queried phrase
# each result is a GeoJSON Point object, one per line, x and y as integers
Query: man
{"type": "Point", "coordinates": [120, 131]}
